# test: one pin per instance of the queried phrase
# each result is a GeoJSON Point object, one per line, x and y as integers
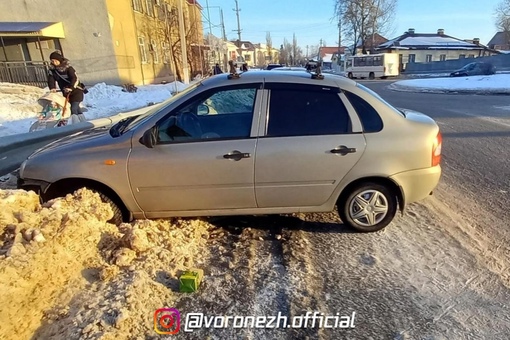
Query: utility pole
{"type": "Point", "coordinates": [223, 26]}
{"type": "Point", "coordinates": [339, 39]}
{"type": "Point", "coordinates": [237, 10]}
{"type": "Point", "coordinates": [307, 53]}
{"type": "Point", "coordinates": [209, 36]}
{"type": "Point", "coordinates": [182, 33]}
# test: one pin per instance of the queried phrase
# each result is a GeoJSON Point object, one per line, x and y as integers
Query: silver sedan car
{"type": "Point", "coordinates": [262, 142]}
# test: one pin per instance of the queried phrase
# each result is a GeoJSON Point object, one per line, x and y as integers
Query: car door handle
{"type": "Point", "coordinates": [236, 155]}
{"type": "Point", "coordinates": [343, 150]}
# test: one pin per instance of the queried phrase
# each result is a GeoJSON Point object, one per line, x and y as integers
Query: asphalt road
{"type": "Point", "coordinates": [438, 272]}
{"type": "Point", "coordinates": [476, 140]}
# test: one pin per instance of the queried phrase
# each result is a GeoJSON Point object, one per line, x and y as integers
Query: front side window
{"type": "Point", "coordinates": [306, 111]}
{"type": "Point", "coordinates": [224, 113]}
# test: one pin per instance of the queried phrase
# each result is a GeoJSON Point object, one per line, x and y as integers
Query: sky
{"type": "Point", "coordinates": [312, 21]}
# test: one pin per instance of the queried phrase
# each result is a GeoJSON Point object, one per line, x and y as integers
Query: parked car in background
{"type": "Point", "coordinates": [258, 143]}
{"type": "Point", "coordinates": [475, 69]}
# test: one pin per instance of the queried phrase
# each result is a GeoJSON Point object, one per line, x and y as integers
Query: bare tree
{"type": "Point", "coordinates": [502, 14]}
{"type": "Point", "coordinates": [269, 46]}
{"type": "Point", "coordinates": [362, 19]}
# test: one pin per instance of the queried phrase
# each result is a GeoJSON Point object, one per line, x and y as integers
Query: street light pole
{"type": "Point", "coordinates": [182, 32]}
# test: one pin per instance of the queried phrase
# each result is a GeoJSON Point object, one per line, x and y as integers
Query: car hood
{"type": "Point", "coordinates": [83, 139]}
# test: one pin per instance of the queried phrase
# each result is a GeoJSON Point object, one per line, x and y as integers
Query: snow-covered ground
{"type": "Point", "coordinates": [498, 84]}
{"type": "Point", "coordinates": [19, 107]}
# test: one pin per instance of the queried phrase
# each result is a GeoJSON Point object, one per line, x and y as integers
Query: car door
{"type": "Point", "coordinates": [204, 155]}
{"type": "Point", "coordinates": [307, 146]}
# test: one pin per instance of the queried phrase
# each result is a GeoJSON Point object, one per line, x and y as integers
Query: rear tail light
{"type": "Point", "coordinates": [436, 149]}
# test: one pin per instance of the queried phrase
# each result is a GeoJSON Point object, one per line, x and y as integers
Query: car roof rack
{"type": "Point", "coordinates": [315, 69]}
{"type": "Point", "coordinates": [233, 72]}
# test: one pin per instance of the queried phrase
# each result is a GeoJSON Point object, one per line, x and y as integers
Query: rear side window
{"type": "Point", "coordinates": [306, 111]}
{"type": "Point", "coordinates": [369, 117]}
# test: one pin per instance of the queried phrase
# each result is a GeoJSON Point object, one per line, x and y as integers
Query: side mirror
{"type": "Point", "coordinates": [202, 109]}
{"type": "Point", "coordinates": [150, 137]}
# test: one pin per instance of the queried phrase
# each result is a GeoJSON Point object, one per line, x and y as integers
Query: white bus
{"type": "Point", "coordinates": [373, 66]}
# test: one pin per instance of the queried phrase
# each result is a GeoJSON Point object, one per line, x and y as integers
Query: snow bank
{"type": "Point", "coordinates": [498, 83]}
{"type": "Point", "coordinates": [67, 274]}
{"type": "Point", "coordinates": [19, 107]}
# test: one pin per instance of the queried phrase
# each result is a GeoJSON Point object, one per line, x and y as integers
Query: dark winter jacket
{"type": "Point", "coordinates": [66, 77]}
{"type": "Point", "coordinates": [217, 69]}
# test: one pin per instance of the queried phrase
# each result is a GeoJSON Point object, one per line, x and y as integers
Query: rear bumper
{"type": "Point", "coordinates": [417, 184]}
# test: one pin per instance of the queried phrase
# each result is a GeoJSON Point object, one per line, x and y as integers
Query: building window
{"type": "Point", "coordinates": [150, 7]}
{"type": "Point", "coordinates": [428, 58]}
{"type": "Point", "coordinates": [137, 5]}
{"type": "Point", "coordinates": [154, 50]}
{"type": "Point", "coordinates": [44, 45]}
{"type": "Point", "coordinates": [412, 58]}
{"type": "Point", "coordinates": [442, 57]}
{"type": "Point", "coordinates": [143, 51]}
{"type": "Point", "coordinates": [166, 52]}
{"type": "Point", "coordinates": [462, 56]}
{"type": "Point", "coordinates": [247, 57]}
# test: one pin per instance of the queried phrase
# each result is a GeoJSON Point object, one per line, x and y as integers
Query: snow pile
{"type": "Point", "coordinates": [19, 107]}
{"type": "Point", "coordinates": [67, 274]}
{"type": "Point", "coordinates": [107, 100]}
{"type": "Point", "coordinates": [498, 83]}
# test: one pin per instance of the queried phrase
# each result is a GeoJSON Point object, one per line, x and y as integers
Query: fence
{"type": "Point", "coordinates": [501, 62]}
{"type": "Point", "coordinates": [27, 73]}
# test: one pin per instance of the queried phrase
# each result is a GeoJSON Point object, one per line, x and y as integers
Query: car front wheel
{"type": "Point", "coordinates": [369, 207]}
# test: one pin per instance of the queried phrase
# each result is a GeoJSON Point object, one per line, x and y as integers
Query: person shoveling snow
{"type": "Point", "coordinates": [55, 112]}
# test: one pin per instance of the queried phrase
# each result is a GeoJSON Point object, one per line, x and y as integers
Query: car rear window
{"type": "Point", "coordinates": [369, 117]}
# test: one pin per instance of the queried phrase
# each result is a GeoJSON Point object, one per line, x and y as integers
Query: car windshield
{"type": "Point", "coordinates": [132, 122]}
{"type": "Point", "coordinates": [366, 89]}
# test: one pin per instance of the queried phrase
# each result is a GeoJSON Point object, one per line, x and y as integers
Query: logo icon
{"type": "Point", "coordinates": [167, 321]}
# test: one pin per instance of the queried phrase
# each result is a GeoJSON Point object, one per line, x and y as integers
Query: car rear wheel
{"type": "Point", "coordinates": [350, 75]}
{"type": "Point", "coordinates": [368, 207]}
{"type": "Point", "coordinates": [371, 76]}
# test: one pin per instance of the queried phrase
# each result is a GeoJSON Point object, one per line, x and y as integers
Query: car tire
{"type": "Point", "coordinates": [380, 209]}
{"type": "Point", "coordinates": [371, 76]}
{"type": "Point", "coordinates": [117, 218]}
{"type": "Point", "coordinates": [349, 75]}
